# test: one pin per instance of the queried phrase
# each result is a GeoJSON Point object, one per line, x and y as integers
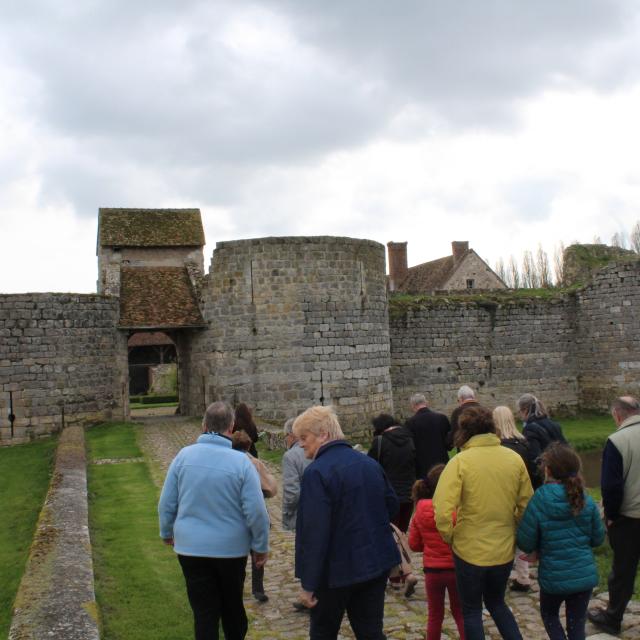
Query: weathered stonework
{"type": "Point", "coordinates": [60, 353]}
{"type": "Point", "coordinates": [290, 322]}
{"type": "Point", "coordinates": [502, 350]}
{"type": "Point", "coordinates": [293, 322]}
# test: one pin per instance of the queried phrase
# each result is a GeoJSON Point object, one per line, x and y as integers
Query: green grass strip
{"type": "Point", "coordinates": [139, 586]}
{"type": "Point", "coordinates": [112, 440]}
{"type": "Point", "coordinates": [587, 432]}
{"type": "Point", "coordinates": [25, 471]}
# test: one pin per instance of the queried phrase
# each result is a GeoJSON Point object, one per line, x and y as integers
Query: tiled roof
{"type": "Point", "coordinates": [157, 297]}
{"type": "Point", "coordinates": [149, 339]}
{"type": "Point", "coordinates": [150, 228]}
{"type": "Point", "coordinates": [428, 276]}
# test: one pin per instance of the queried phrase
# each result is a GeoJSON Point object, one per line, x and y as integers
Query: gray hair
{"type": "Point", "coordinates": [417, 398]}
{"type": "Point", "coordinates": [218, 417]}
{"type": "Point", "coordinates": [531, 406]}
{"type": "Point", "coordinates": [626, 406]}
{"type": "Point", "coordinates": [288, 426]}
{"type": "Point", "coordinates": [465, 392]}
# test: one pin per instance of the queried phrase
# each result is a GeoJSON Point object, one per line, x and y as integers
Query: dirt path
{"type": "Point", "coordinates": [405, 619]}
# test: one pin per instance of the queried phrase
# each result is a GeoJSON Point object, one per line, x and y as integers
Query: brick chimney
{"type": "Point", "coordinates": [397, 263]}
{"type": "Point", "coordinates": [459, 249]}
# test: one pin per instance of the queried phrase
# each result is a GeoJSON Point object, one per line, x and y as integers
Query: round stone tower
{"type": "Point", "coordinates": [295, 322]}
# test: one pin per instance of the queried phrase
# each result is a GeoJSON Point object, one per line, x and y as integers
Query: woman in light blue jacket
{"type": "Point", "coordinates": [561, 525]}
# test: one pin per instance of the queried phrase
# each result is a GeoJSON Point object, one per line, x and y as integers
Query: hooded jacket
{"type": "Point", "coordinates": [489, 487]}
{"type": "Point", "coordinates": [395, 451]}
{"type": "Point", "coordinates": [562, 540]}
{"type": "Point", "coordinates": [425, 537]}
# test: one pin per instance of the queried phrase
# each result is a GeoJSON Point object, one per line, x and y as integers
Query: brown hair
{"type": "Point", "coordinates": [563, 464]}
{"type": "Point", "coordinates": [241, 441]}
{"type": "Point", "coordinates": [472, 422]}
{"type": "Point", "coordinates": [244, 421]}
{"type": "Point", "coordinates": [424, 489]}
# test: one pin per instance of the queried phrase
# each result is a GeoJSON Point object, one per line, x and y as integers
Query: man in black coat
{"type": "Point", "coordinates": [430, 431]}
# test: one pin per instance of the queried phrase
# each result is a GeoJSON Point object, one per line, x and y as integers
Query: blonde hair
{"type": "Point", "coordinates": [505, 423]}
{"type": "Point", "coordinates": [319, 420]}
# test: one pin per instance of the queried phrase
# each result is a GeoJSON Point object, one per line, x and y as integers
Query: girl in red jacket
{"type": "Point", "coordinates": [439, 572]}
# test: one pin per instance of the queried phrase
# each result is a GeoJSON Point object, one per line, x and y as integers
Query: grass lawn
{"type": "Point", "coordinates": [139, 585]}
{"type": "Point", "coordinates": [154, 405]}
{"type": "Point", "coordinates": [587, 432]}
{"type": "Point", "coordinates": [25, 471]}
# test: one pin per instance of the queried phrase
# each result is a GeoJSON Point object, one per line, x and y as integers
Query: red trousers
{"type": "Point", "coordinates": [436, 583]}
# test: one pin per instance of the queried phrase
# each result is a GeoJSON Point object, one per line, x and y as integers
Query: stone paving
{"type": "Point", "coordinates": [405, 619]}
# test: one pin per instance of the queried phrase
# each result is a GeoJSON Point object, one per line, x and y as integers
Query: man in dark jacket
{"type": "Point", "coordinates": [430, 431]}
{"type": "Point", "coordinates": [620, 484]}
{"type": "Point", "coordinates": [466, 398]}
{"type": "Point", "coordinates": [344, 544]}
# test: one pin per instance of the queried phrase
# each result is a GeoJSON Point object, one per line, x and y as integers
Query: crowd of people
{"type": "Point", "coordinates": [479, 498]}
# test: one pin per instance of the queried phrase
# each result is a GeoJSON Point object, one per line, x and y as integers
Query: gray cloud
{"type": "Point", "coordinates": [126, 94]}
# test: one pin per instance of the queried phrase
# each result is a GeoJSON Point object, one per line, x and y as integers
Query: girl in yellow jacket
{"type": "Point", "coordinates": [488, 487]}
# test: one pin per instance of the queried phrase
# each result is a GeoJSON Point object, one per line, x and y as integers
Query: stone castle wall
{"type": "Point", "coordinates": [294, 322]}
{"type": "Point", "coordinates": [577, 351]}
{"type": "Point", "coordinates": [299, 321]}
{"type": "Point", "coordinates": [501, 350]}
{"type": "Point", "coordinates": [59, 351]}
{"type": "Point", "coordinates": [608, 336]}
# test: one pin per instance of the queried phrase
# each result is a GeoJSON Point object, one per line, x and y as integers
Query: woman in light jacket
{"type": "Point", "coordinates": [488, 487]}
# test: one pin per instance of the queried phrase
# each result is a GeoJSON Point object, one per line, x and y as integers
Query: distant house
{"type": "Point", "coordinates": [464, 269]}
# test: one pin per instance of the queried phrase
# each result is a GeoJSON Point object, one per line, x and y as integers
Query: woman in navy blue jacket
{"type": "Point", "coordinates": [560, 525]}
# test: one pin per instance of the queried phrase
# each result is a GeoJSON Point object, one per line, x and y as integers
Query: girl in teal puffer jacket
{"type": "Point", "coordinates": [561, 524]}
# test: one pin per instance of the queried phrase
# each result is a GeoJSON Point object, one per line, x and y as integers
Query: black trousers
{"type": "Point", "coordinates": [214, 588]}
{"type": "Point", "coordinates": [624, 538]}
{"type": "Point", "coordinates": [364, 604]}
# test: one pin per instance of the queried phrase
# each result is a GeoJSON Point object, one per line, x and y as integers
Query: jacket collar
{"type": "Point", "coordinates": [214, 438]}
{"type": "Point", "coordinates": [629, 422]}
{"type": "Point", "coordinates": [328, 445]}
{"type": "Point", "coordinates": [482, 440]}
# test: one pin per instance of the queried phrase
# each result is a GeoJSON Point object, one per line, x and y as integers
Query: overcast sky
{"type": "Point", "coordinates": [507, 123]}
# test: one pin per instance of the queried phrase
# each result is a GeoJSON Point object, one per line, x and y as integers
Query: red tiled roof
{"type": "Point", "coordinates": [149, 339]}
{"type": "Point", "coordinates": [157, 297]}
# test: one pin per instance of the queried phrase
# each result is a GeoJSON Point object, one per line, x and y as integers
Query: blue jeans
{"type": "Point", "coordinates": [477, 584]}
{"type": "Point", "coordinates": [576, 611]}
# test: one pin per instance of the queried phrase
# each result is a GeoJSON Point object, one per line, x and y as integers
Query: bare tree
{"type": "Point", "coordinates": [501, 270]}
{"type": "Point", "coordinates": [596, 240]}
{"type": "Point", "coordinates": [514, 273]}
{"type": "Point", "coordinates": [558, 264]}
{"type": "Point", "coordinates": [635, 237]}
{"type": "Point", "coordinates": [542, 268]}
{"type": "Point", "coordinates": [619, 239]}
{"type": "Point", "coordinates": [529, 272]}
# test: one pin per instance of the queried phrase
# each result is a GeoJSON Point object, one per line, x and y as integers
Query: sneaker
{"type": "Point", "coordinates": [601, 619]}
{"type": "Point", "coordinates": [260, 596]}
{"type": "Point", "coordinates": [410, 587]}
{"type": "Point", "coordinates": [518, 586]}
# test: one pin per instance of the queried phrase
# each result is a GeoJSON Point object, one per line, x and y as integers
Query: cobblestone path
{"type": "Point", "coordinates": [405, 619]}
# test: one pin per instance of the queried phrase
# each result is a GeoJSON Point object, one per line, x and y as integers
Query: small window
{"type": "Point", "coordinates": [471, 283]}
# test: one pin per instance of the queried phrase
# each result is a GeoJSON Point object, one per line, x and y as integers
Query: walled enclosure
{"type": "Point", "coordinates": [60, 353]}
{"type": "Point", "coordinates": [576, 351]}
{"type": "Point", "coordinates": [294, 322]}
